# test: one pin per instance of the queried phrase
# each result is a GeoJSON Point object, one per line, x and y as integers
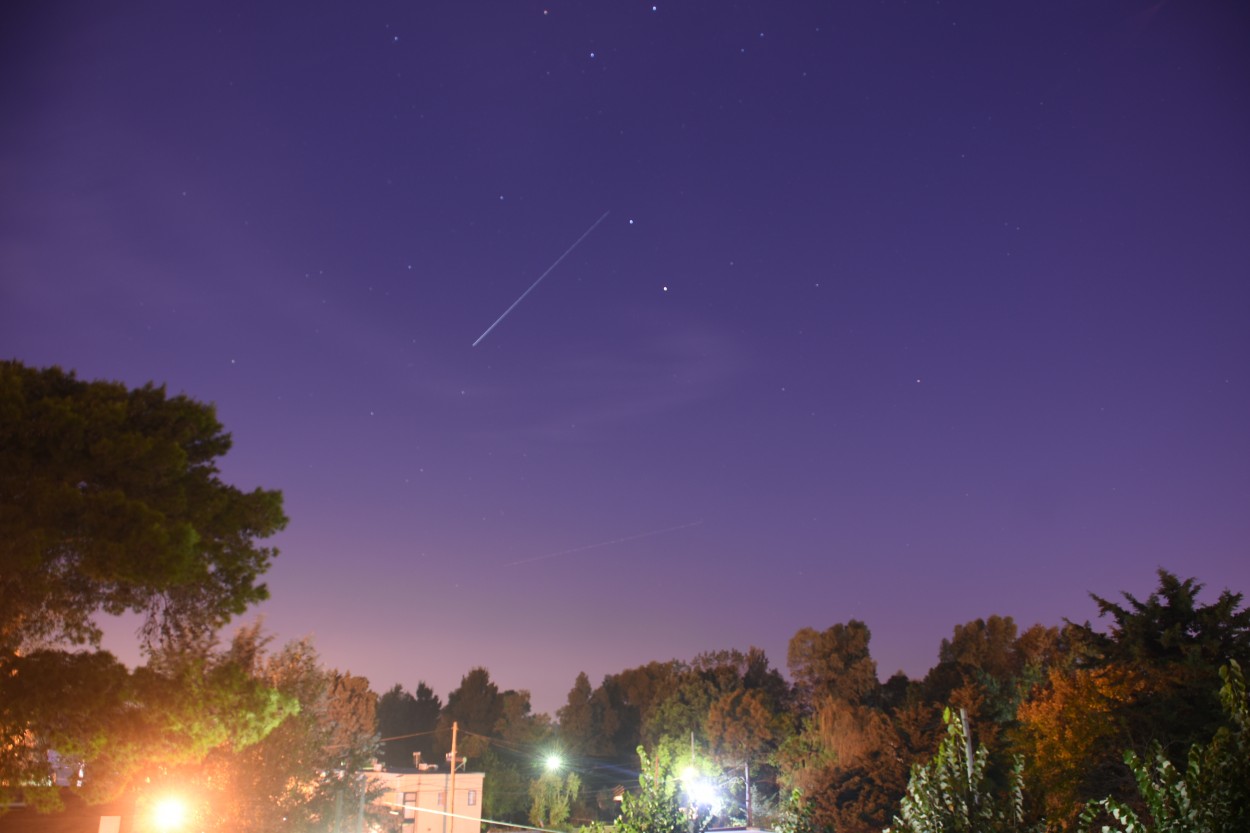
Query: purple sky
{"type": "Point", "coordinates": [905, 312]}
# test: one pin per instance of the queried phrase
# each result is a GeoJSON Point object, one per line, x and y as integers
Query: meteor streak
{"type": "Point", "coordinates": [540, 278]}
{"type": "Point", "coordinates": [603, 544]}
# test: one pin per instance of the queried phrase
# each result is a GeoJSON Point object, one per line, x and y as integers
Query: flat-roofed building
{"type": "Point", "coordinates": [421, 800]}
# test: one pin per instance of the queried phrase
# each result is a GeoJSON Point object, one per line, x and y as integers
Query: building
{"type": "Point", "coordinates": [420, 797]}
{"type": "Point", "coordinates": [75, 817]}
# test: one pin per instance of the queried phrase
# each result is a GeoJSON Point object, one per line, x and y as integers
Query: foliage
{"type": "Point", "coordinates": [849, 765]}
{"type": "Point", "coordinates": [657, 806]}
{"type": "Point", "coordinates": [578, 731]}
{"type": "Point", "coordinates": [741, 727]}
{"type": "Point", "coordinates": [1212, 793]}
{"type": "Point", "coordinates": [832, 663]}
{"type": "Point", "coordinates": [665, 704]}
{"type": "Point", "coordinates": [493, 728]}
{"type": "Point", "coordinates": [950, 794]}
{"type": "Point", "coordinates": [1072, 730]}
{"type": "Point", "coordinates": [127, 726]}
{"type": "Point", "coordinates": [306, 773]}
{"type": "Point", "coordinates": [848, 761]}
{"type": "Point", "coordinates": [406, 725]}
{"type": "Point", "coordinates": [517, 734]}
{"type": "Point", "coordinates": [1152, 678]}
{"type": "Point", "coordinates": [1171, 626]}
{"type": "Point", "coordinates": [476, 706]}
{"type": "Point", "coordinates": [631, 699]}
{"type": "Point", "coordinates": [1179, 645]}
{"type": "Point", "coordinates": [682, 712]}
{"type": "Point", "coordinates": [110, 501]}
{"type": "Point", "coordinates": [551, 799]}
{"type": "Point", "coordinates": [795, 815]}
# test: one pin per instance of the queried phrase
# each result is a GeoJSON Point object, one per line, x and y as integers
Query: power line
{"type": "Point", "coordinates": [413, 735]}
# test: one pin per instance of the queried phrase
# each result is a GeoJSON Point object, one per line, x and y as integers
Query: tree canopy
{"type": "Point", "coordinates": [110, 501]}
{"type": "Point", "coordinates": [406, 724]}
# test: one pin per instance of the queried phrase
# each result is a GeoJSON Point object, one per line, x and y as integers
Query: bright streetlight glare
{"type": "Point", "coordinates": [702, 793]}
{"type": "Point", "coordinates": [554, 763]}
{"type": "Point", "coordinates": [169, 813]}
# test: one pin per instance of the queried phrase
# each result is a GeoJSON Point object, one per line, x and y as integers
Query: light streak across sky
{"type": "Point", "coordinates": [585, 234]}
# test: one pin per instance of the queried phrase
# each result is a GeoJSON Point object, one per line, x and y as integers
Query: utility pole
{"type": "Point", "coordinates": [963, 717]}
{"type": "Point", "coordinates": [451, 782]}
{"type": "Point", "coordinates": [746, 773]}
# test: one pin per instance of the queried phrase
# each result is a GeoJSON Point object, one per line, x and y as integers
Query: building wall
{"type": "Point", "coordinates": [421, 798]}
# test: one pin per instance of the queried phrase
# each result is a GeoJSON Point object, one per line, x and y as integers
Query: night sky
{"type": "Point", "coordinates": [906, 312]}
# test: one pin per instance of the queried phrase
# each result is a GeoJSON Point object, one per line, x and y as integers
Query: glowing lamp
{"type": "Point", "coordinates": [169, 813]}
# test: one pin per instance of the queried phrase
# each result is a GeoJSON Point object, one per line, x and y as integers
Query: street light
{"type": "Point", "coordinates": [702, 793]}
{"type": "Point", "coordinates": [553, 762]}
{"type": "Point", "coordinates": [169, 813]}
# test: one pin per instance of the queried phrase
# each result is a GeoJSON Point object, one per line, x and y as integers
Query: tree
{"type": "Point", "coordinates": [628, 700]}
{"type": "Point", "coordinates": [588, 727]}
{"type": "Point", "coordinates": [577, 718]}
{"type": "Point", "coordinates": [846, 765]}
{"type": "Point", "coordinates": [1180, 645]}
{"type": "Point", "coordinates": [1071, 733]}
{"type": "Point", "coordinates": [683, 712]}
{"type": "Point", "coordinates": [951, 793]}
{"type": "Point", "coordinates": [834, 662]}
{"type": "Point", "coordinates": [1152, 677]}
{"type": "Point", "coordinates": [551, 799]}
{"type": "Point", "coordinates": [987, 645]}
{"type": "Point", "coordinates": [1170, 626]}
{"type": "Point", "coordinates": [476, 706]}
{"type": "Point", "coordinates": [307, 773]}
{"type": "Point", "coordinates": [277, 782]}
{"type": "Point", "coordinates": [845, 761]}
{"type": "Point", "coordinates": [397, 725]}
{"type": "Point", "coordinates": [406, 724]}
{"type": "Point", "coordinates": [128, 728]}
{"type": "Point", "coordinates": [989, 670]}
{"type": "Point", "coordinates": [349, 718]}
{"type": "Point", "coordinates": [517, 734]}
{"type": "Point", "coordinates": [657, 806]}
{"type": "Point", "coordinates": [743, 729]}
{"type": "Point", "coordinates": [1212, 793]}
{"type": "Point", "coordinates": [795, 815]}
{"type": "Point", "coordinates": [110, 501]}
{"type": "Point", "coordinates": [493, 726]}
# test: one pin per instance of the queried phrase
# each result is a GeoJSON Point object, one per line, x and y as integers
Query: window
{"type": "Point", "coordinates": [410, 806]}
{"type": "Point", "coordinates": [472, 797]}
{"type": "Point", "coordinates": [441, 799]}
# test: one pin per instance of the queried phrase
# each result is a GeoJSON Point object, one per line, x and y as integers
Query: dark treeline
{"type": "Point", "coordinates": [831, 748]}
